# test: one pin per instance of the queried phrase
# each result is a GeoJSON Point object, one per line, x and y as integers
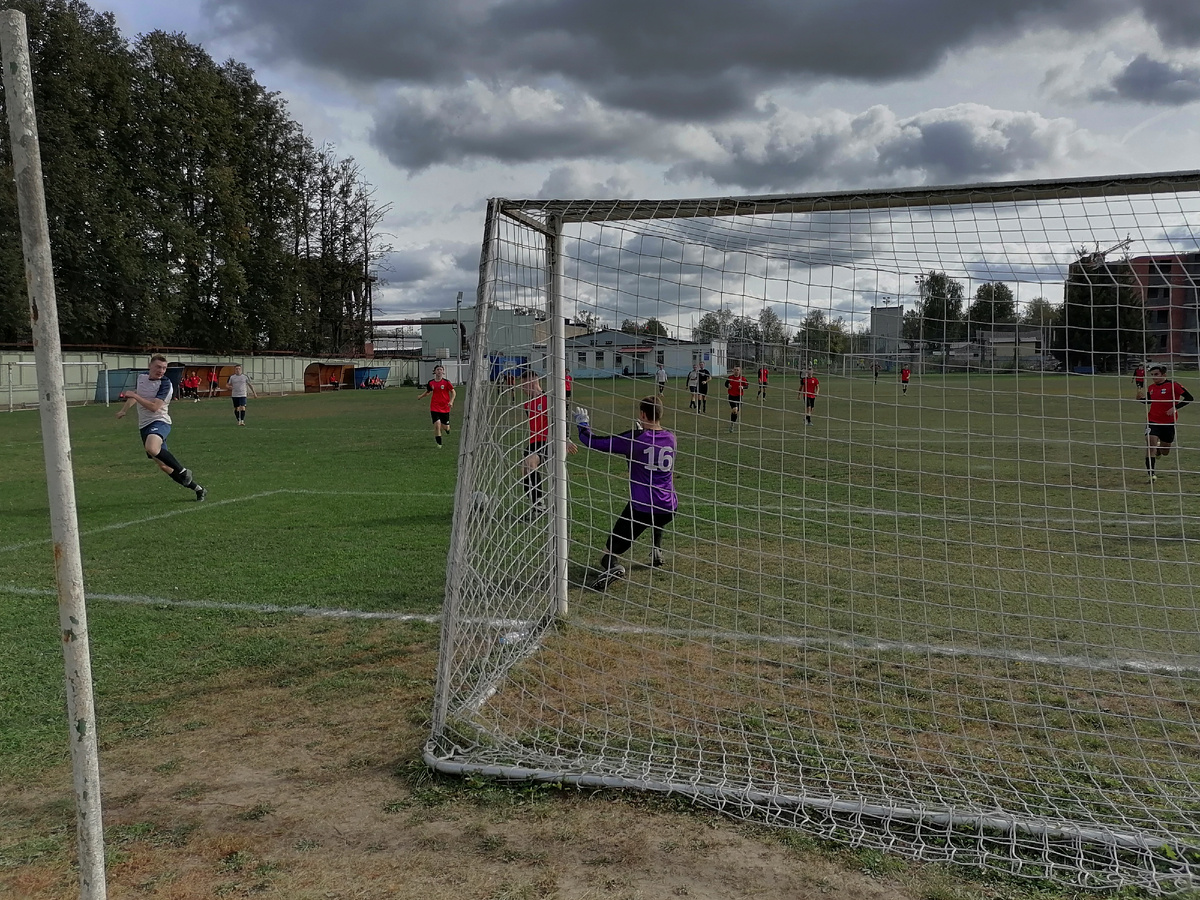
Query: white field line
{"type": "Point", "coordinates": [733, 637]}
{"type": "Point", "coordinates": [264, 608]}
{"type": "Point", "coordinates": [200, 507]}
{"type": "Point", "coordinates": [191, 508]}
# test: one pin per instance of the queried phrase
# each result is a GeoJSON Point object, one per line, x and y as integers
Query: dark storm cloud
{"type": "Point", "coordinates": [1147, 80]}
{"type": "Point", "coordinates": [1176, 21]}
{"type": "Point", "coordinates": [705, 59]}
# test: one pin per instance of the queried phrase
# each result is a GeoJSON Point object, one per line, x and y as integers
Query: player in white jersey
{"type": "Point", "coordinates": [153, 399]}
{"type": "Point", "coordinates": [238, 385]}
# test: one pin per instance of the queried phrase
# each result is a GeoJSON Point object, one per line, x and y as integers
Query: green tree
{"type": "Point", "coordinates": [713, 325]}
{"type": "Point", "coordinates": [1041, 313]}
{"type": "Point", "coordinates": [941, 308]}
{"type": "Point", "coordinates": [994, 304]}
{"type": "Point", "coordinates": [1102, 316]}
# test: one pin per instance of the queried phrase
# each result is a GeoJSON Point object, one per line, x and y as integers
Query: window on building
{"type": "Point", "coordinates": [582, 358]}
{"type": "Point", "coordinates": [618, 359]}
{"type": "Point", "coordinates": [599, 359]}
{"type": "Point", "coordinates": [661, 356]}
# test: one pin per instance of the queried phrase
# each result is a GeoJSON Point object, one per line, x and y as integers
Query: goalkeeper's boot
{"type": "Point", "coordinates": [608, 576]}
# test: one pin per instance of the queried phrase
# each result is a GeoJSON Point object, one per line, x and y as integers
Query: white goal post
{"type": "Point", "coordinates": [951, 614]}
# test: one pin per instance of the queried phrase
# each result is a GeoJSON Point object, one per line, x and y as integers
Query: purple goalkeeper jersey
{"type": "Point", "coordinates": [651, 456]}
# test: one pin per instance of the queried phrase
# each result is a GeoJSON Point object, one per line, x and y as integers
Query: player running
{"type": "Point", "coordinates": [442, 402]}
{"type": "Point", "coordinates": [152, 396]}
{"type": "Point", "coordinates": [1165, 399]}
{"type": "Point", "coordinates": [650, 449]}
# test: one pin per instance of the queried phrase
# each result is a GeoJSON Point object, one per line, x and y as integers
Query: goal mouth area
{"type": "Point", "coordinates": [924, 589]}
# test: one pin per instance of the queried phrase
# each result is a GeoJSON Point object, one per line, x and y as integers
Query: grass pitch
{"type": "Point", "coordinates": [204, 671]}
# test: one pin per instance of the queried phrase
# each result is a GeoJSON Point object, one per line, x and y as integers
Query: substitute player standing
{"type": "Point", "coordinates": [693, 386]}
{"type": "Point", "coordinates": [735, 385]}
{"type": "Point", "coordinates": [442, 402]}
{"type": "Point", "coordinates": [1165, 399]}
{"type": "Point", "coordinates": [703, 378]}
{"type": "Point", "coordinates": [905, 374]}
{"type": "Point", "coordinates": [152, 396]}
{"type": "Point", "coordinates": [1139, 377]}
{"type": "Point", "coordinates": [809, 387]}
{"type": "Point", "coordinates": [764, 375]}
{"type": "Point", "coordinates": [650, 450]}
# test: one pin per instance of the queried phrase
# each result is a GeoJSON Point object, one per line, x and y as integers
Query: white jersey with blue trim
{"type": "Point", "coordinates": [150, 389]}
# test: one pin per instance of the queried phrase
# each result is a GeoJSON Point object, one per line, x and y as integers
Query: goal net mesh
{"type": "Point", "coordinates": [943, 611]}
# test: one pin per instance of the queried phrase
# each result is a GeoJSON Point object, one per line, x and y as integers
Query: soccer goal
{"type": "Point", "coordinates": [952, 614]}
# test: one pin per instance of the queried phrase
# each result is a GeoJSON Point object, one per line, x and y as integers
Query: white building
{"type": "Point", "coordinates": [607, 353]}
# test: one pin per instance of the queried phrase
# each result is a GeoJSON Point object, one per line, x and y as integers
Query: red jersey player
{"type": "Point", "coordinates": [1165, 399]}
{"type": "Point", "coordinates": [736, 385]}
{"type": "Point", "coordinates": [537, 409]}
{"type": "Point", "coordinates": [764, 375]}
{"type": "Point", "coordinates": [810, 387]}
{"type": "Point", "coordinates": [905, 374]}
{"type": "Point", "coordinates": [442, 402]}
{"type": "Point", "coordinates": [1139, 376]}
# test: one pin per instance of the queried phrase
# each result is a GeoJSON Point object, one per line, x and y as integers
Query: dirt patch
{"type": "Point", "coordinates": [256, 792]}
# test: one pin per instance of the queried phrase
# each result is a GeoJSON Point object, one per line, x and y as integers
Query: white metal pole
{"type": "Point", "coordinates": [104, 379]}
{"type": "Point", "coordinates": [558, 422]}
{"type": "Point", "coordinates": [56, 444]}
{"type": "Point", "coordinates": [10, 387]}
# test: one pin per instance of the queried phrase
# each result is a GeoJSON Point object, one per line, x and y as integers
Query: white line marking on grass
{"type": "Point", "coordinates": [311, 611]}
{"type": "Point", "coordinates": [190, 508]}
{"type": "Point", "coordinates": [215, 503]}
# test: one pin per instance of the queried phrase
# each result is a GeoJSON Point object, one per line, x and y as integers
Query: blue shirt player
{"type": "Point", "coordinates": [650, 450]}
{"type": "Point", "coordinates": [152, 396]}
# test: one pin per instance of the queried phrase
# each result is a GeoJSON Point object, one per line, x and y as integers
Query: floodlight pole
{"type": "Point", "coordinates": [56, 445]}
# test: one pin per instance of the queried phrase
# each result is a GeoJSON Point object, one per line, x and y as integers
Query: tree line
{"type": "Point", "coordinates": [1099, 320]}
{"type": "Point", "coordinates": [186, 208]}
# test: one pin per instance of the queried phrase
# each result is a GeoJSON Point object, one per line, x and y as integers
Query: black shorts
{"type": "Point", "coordinates": [693, 388]}
{"type": "Point", "coordinates": [631, 523]}
{"type": "Point", "coordinates": [735, 402]}
{"type": "Point", "coordinates": [238, 401]}
{"type": "Point", "coordinates": [538, 449]}
{"type": "Point", "coordinates": [810, 402]}
{"type": "Point", "coordinates": [442, 417]}
{"type": "Point", "coordinates": [1164, 433]}
{"type": "Point", "coordinates": [703, 389]}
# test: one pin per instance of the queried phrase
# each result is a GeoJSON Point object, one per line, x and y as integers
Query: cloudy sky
{"type": "Point", "coordinates": [445, 103]}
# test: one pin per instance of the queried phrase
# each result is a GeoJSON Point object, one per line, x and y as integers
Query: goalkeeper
{"type": "Point", "coordinates": [650, 449]}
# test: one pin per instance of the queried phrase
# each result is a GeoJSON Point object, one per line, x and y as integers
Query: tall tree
{"type": "Point", "coordinates": [941, 308]}
{"type": "Point", "coordinates": [1102, 316]}
{"type": "Point", "coordinates": [994, 304]}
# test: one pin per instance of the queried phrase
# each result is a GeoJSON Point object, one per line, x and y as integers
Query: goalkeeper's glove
{"type": "Point", "coordinates": [581, 417]}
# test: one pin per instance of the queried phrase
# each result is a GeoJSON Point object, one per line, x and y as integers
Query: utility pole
{"type": "Point", "coordinates": [56, 448]}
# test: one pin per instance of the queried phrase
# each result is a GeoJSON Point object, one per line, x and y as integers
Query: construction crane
{"type": "Point", "coordinates": [1098, 257]}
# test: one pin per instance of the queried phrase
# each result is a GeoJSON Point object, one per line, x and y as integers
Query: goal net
{"type": "Point", "coordinates": [924, 592]}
